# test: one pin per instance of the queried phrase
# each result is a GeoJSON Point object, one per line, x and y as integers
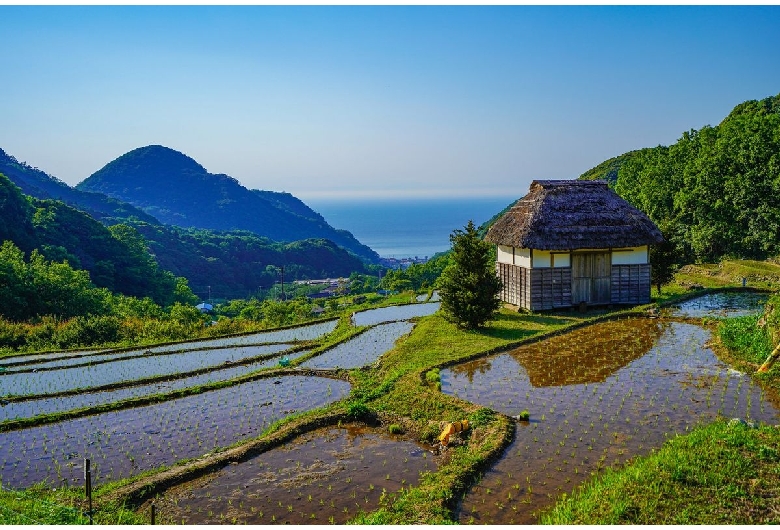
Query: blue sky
{"type": "Point", "coordinates": [375, 101]}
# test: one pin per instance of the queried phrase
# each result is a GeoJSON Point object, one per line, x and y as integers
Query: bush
{"type": "Point", "coordinates": [358, 410]}
{"type": "Point", "coordinates": [394, 428]}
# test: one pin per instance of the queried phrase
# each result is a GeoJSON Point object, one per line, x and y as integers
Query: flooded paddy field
{"type": "Point", "coordinates": [126, 442]}
{"type": "Point", "coordinates": [597, 397]}
{"type": "Point", "coordinates": [371, 317]}
{"type": "Point", "coordinates": [123, 370]}
{"type": "Point", "coordinates": [363, 349]}
{"type": "Point", "coordinates": [62, 359]}
{"type": "Point", "coordinates": [722, 305]}
{"type": "Point", "coordinates": [50, 404]}
{"type": "Point", "coordinates": [326, 476]}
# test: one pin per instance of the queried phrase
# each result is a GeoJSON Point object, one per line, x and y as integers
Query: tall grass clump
{"type": "Point", "coordinates": [745, 336]}
{"type": "Point", "coordinates": [753, 337]}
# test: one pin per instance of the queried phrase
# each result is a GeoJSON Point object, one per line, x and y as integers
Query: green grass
{"type": "Point", "coordinates": [43, 505]}
{"type": "Point", "coordinates": [403, 389]}
{"type": "Point", "coordinates": [717, 474]}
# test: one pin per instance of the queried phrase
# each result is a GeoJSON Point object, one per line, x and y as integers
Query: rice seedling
{"type": "Point", "coordinates": [618, 415]}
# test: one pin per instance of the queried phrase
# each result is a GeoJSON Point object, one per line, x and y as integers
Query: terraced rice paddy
{"type": "Point", "coordinates": [722, 305]}
{"type": "Point", "coordinates": [597, 397]}
{"type": "Point", "coordinates": [362, 350]}
{"type": "Point", "coordinates": [126, 442]}
{"type": "Point", "coordinates": [62, 359]}
{"type": "Point", "coordinates": [46, 405]}
{"type": "Point", "coordinates": [372, 317]}
{"type": "Point", "coordinates": [325, 476]}
{"type": "Point", "coordinates": [122, 370]}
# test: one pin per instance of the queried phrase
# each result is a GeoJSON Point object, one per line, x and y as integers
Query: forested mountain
{"type": "Point", "coordinates": [115, 257]}
{"type": "Point", "coordinates": [233, 264]}
{"type": "Point", "coordinates": [177, 190]}
{"type": "Point", "coordinates": [716, 191]}
{"type": "Point", "coordinates": [237, 264]}
{"type": "Point", "coordinates": [37, 183]}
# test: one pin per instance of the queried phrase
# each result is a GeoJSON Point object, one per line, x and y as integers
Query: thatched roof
{"type": "Point", "coordinates": [572, 214]}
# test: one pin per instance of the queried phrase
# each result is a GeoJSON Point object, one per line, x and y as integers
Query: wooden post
{"type": "Point", "coordinates": [154, 513]}
{"type": "Point", "coordinates": [88, 488]}
{"type": "Point", "coordinates": [770, 360]}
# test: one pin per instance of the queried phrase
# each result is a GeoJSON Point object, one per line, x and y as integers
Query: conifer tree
{"type": "Point", "coordinates": [468, 286]}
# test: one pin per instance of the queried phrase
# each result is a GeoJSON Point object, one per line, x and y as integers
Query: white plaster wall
{"type": "Point", "coordinates": [523, 257]}
{"type": "Point", "coordinates": [630, 256]}
{"type": "Point", "coordinates": [504, 254]}
{"type": "Point", "coordinates": [541, 258]}
{"type": "Point", "coordinates": [561, 260]}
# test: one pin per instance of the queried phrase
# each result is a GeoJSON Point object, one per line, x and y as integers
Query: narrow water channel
{"type": "Point", "coordinates": [597, 397]}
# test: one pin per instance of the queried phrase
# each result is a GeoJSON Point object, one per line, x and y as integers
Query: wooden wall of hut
{"type": "Point", "coordinates": [551, 288]}
{"type": "Point", "coordinates": [535, 289]}
{"type": "Point", "coordinates": [631, 284]}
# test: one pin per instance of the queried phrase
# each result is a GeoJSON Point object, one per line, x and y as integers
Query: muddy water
{"type": "Point", "coordinates": [597, 397]}
{"type": "Point", "coordinates": [327, 476]}
{"type": "Point", "coordinates": [126, 442]}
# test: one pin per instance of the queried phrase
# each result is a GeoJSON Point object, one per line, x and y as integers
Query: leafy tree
{"type": "Point", "coordinates": [469, 286]}
{"type": "Point", "coordinates": [716, 192]}
{"type": "Point", "coordinates": [39, 287]}
{"type": "Point", "coordinates": [186, 314]}
{"type": "Point", "coordinates": [663, 260]}
{"type": "Point", "coordinates": [182, 292]}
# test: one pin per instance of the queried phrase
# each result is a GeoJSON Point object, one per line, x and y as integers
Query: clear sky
{"type": "Point", "coordinates": [374, 101]}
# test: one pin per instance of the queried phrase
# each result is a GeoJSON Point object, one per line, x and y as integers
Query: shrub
{"type": "Point", "coordinates": [481, 417]}
{"type": "Point", "coordinates": [394, 428]}
{"type": "Point", "coordinates": [358, 411]}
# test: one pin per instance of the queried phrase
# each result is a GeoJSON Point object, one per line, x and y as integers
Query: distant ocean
{"type": "Point", "coordinates": [407, 228]}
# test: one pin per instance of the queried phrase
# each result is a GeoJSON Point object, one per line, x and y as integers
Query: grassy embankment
{"type": "Point", "coordinates": [399, 391]}
{"type": "Point", "coordinates": [722, 473]}
{"type": "Point", "coordinates": [396, 391]}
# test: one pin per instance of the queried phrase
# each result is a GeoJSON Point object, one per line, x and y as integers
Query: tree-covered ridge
{"type": "Point", "coordinates": [137, 258]}
{"type": "Point", "coordinates": [716, 191]}
{"type": "Point", "coordinates": [177, 190]}
{"type": "Point", "coordinates": [608, 170]}
{"type": "Point", "coordinates": [41, 185]}
{"type": "Point", "coordinates": [239, 264]}
{"type": "Point", "coordinates": [115, 258]}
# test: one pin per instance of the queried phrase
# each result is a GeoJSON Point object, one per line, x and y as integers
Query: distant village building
{"type": "Point", "coordinates": [570, 242]}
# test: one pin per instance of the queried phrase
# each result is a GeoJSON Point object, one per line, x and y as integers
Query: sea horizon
{"type": "Point", "coordinates": [407, 227]}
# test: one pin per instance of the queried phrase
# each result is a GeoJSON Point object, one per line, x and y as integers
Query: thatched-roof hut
{"type": "Point", "coordinates": [573, 241]}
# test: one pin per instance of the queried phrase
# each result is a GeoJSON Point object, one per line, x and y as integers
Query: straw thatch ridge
{"type": "Point", "coordinates": [573, 214]}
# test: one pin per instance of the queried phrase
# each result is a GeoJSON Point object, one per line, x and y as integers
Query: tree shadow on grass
{"type": "Point", "coordinates": [517, 327]}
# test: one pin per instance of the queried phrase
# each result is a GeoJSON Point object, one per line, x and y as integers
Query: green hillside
{"type": "Point", "coordinates": [115, 258]}
{"type": "Point", "coordinates": [714, 193]}
{"type": "Point", "coordinates": [178, 191]}
{"type": "Point", "coordinates": [238, 264]}
{"type": "Point", "coordinates": [37, 183]}
{"type": "Point", "coordinates": [233, 264]}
